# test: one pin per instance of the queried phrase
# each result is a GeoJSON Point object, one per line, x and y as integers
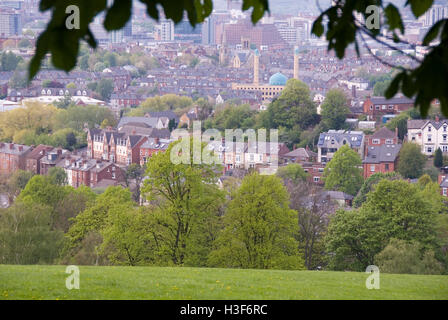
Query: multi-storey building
{"type": "Point", "coordinates": [114, 146]}
{"type": "Point", "coordinates": [33, 159]}
{"type": "Point", "coordinates": [13, 157]}
{"type": "Point", "coordinates": [330, 142]}
{"type": "Point", "coordinates": [376, 107]}
{"type": "Point", "coordinates": [91, 172]}
{"type": "Point", "coordinates": [380, 159]}
{"type": "Point", "coordinates": [429, 134]}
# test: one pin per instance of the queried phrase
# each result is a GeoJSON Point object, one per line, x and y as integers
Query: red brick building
{"type": "Point", "coordinates": [382, 136]}
{"type": "Point", "coordinates": [381, 158]}
{"type": "Point", "coordinates": [33, 159]}
{"type": "Point", "coordinates": [13, 157]}
{"type": "Point", "coordinates": [150, 147]}
{"type": "Point", "coordinates": [376, 107]}
{"type": "Point", "coordinates": [91, 172]}
{"type": "Point", "coordinates": [114, 146]}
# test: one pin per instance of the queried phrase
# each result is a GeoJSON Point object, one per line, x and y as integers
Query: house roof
{"type": "Point", "coordinates": [352, 138]}
{"type": "Point", "coordinates": [148, 122]}
{"type": "Point", "coordinates": [382, 153]}
{"type": "Point", "coordinates": [384, 133]}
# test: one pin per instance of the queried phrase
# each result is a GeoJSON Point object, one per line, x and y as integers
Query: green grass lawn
{"type": "Point", "coordinates": [48, 282]}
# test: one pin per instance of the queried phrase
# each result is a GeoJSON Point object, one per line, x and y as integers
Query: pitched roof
{"type": "Point", "coordinates": [384, 133]}
{"type": "Point", "coordinates": [382, 153]}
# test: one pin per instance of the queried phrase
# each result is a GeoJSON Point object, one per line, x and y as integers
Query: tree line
{"type": "Point", "coordinates": [191, 218]}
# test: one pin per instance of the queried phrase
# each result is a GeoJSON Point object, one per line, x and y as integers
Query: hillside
{"type": "Point", "coordinates": [48, 282]}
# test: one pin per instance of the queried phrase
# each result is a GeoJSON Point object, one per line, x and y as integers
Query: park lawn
{"type": "Point", "coordinates": [48, 282]}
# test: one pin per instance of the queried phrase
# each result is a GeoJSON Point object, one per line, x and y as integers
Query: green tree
{"type": "Point", "coordinates": [26, 235]}
{"type": "Point", "coordinates": [293, 107]}
{"type": "Point", "coordinates": [9, 61]}
{"type": "Point", "coordinates": [134, 175]}
{"type": "Point", "coordinates": [370, 183]}
{"type": "Point", "coordinates": [128, 238]}
{"type": "Point", "coordinates": [438, 158]}
{"type": "Point", "coordinates": [406, 257]}
{"type": "Point", "coordinates": [259, 228]}
{"type": "Point", "coordinates": [380, 88]}
{"type": "Point", "coordinates": [394, 209]}
{"type": "Point", "coordinates": [343, 172]}
{"type": "Point", "coordinates": [334, 110]}
{"type": "Point", "coordinates": [293, 172]}
{"type": "Point", "coordinates": [184, 192]}
{"type": "Point", "coordinates": [58, 176]}
{"type": "Point", "coordinates": [105, 88]}
{"type": "Point", "coordinates": [411, 161]}
{"type": "Point", "coordinates": [12, 185]}
{"type": "Point", "coordinates": [400, 122]}
{"type": "Point", "coordinates": [93, 220]}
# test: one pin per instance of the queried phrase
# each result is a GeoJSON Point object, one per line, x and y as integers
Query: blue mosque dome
{"type": "Point", "coordinates": [278, 79]}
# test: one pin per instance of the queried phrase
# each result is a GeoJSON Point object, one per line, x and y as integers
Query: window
{"type": "Point", "coordinates": [444, 138]}
{"type": "Point", "coordinates": [429, 150]}
{"type": "Point", "coordinates": [429, 128]}
{"type": "Point", "coordinates": [372, 168]}
{"type": "Point", "coordinates": [389, 141]}
{"type": "Point", "coordinates": [377, 107]}
{"type": "Point", "coordinates": [386, 166]}
{"type": "Point", "coordinates": [316, 179]}
{"type": "Point", "coordinates": [444, 192]}
{"type": "Point", "coordinates": [444, 148]}
{"type": "Point", "coordinates": [376, 141]}
{"type": "Point", "coordinates": [429, 138]}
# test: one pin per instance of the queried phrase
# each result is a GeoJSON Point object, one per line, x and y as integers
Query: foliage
{"type": "Point", "coordinates": [400, 122]}
{"type": "Point", "coordinates": [369, 185]}
{"type": "Point", "coordinates": [406, 257]}
{"type": "Point", "coordinates": [293, 107]}
{"type": "Point", "coordinates": [9, 61]}
{"type": "Point", "coordinates": [259, 228]}
{"type": "Point", "coordinates": [232, 117]}
{"type": "Point", "coordinates": [58, 176]}
{"type": "Point", "coordinates": [334, 110]}
{"type": "Point", "coordinates": [343, 172]}
{"type": "Point", "coordinates": [438, 158]}
{"type": "Point", "coordinates": [161, 103]}
{"type": "Point", "coordinates": [134, 174]}
{"type": "Point", "coordinates": [380, 88]}
{"type": "Point", "coordinates": [292, 171]}
{"type": "Point", "coordinates": [411, 161]}
{"type": "Point", "coordinates": [105, 88]}
{"type": "Point", "coordinates": [185, 193]}
{"type": "Point", "coordinates": [394, 209]}
{"type": "Point", "coordinates": [26, 236]}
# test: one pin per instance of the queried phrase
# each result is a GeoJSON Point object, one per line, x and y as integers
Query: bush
{"type": "Point", "coordinates": [407, 257]}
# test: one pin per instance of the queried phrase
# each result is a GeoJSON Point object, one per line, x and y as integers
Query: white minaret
{"type": "Point", "coordinates": [256, 67]}
{"type": "Point", "coordinates": [296, 63]}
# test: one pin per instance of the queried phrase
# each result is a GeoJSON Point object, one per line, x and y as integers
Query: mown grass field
{"type": "Point", "coordinates": [48, 282]}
